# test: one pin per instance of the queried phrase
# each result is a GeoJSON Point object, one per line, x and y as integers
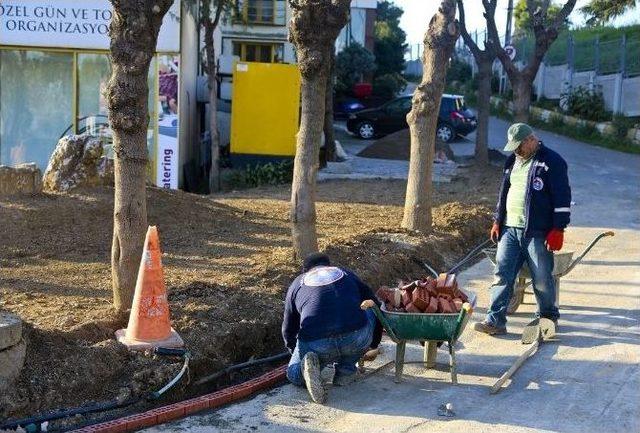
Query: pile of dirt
{"type": "Point", "coordinates": [398, 146]}
{"type": "Point", "coordinates": [227, 265]}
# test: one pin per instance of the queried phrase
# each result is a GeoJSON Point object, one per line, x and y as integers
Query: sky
{"type": "Point", "coordinates": [417, 14]}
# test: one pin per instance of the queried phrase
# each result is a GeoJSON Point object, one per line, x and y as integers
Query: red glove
{"type": "Point", "coordinates": [495, 232]}
{"type": "Point", "coordinates": [555, 239]}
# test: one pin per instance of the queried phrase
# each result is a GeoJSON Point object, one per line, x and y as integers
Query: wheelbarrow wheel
{"type": "Point", "coordinates": [516, 299]}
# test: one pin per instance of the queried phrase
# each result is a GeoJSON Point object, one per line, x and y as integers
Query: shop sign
{"type": "Point", "coordinates": [72, 24]}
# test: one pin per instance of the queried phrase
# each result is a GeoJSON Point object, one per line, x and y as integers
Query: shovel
{"type": "Point", "coordinates": [536, 331]}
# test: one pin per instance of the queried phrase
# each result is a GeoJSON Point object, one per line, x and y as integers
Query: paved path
{"type": "Point", "coordinates": [587, 382]}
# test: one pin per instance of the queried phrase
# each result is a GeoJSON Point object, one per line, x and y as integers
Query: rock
{"type": "Point", "coordinates": [77, 161]}
{"type": "Point", "coordinates": [11, 362]}
{"type": "Point", "coordinates": [21, 179]}
{"type": "Point", "coordinates": [10, 329]}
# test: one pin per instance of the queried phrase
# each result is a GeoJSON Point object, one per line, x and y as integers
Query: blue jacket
{"type": "Point", "coordinates": [548, 198]}
{"type": "Point", "coordinates": [313, 311]}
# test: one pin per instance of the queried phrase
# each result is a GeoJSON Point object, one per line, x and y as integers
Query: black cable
{"type": "Point", "coordinates": [240, 366]}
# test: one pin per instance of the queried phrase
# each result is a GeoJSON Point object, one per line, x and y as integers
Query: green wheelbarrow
{"type": "Point", "coordinates": [563, 263]}
{"type": "Point", "coordinates": [429, 329]}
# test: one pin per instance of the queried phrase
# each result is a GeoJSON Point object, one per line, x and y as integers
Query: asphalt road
{"type": "Point", "coordinates": [588, 381]}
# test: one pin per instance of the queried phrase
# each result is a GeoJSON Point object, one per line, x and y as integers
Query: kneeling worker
{"type": "Point", "coordinates": [324, 323]}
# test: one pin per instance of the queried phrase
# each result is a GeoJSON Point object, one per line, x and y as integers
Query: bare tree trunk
{"type": "Point", "coordinates": [521, 98]}
{"type": "Point", "coordinates": [313, 29]}
{"type": "Point", "coordinates": [210, 67]}
{"type": "Point", "coordinates": [303, 189]}
{"type": "Point", "coordinates": [484, 95]}
{"type": "Point", "coordinates": [214, 170]}
{"type": "Point", "coordinates": [134, 32]}
{"type": "Point", "coordinates": [329, 136]}
{"type": "Point", "coordinates": [439, 41]}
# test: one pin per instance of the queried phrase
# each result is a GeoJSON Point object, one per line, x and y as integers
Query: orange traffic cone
{"type": "Point", "coordinates": [149, 325]}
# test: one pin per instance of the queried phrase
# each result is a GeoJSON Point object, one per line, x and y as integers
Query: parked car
{"type": "Point", "coordinates": [454, 118]}
{"type": "Point", "coordinates": [342, 108]}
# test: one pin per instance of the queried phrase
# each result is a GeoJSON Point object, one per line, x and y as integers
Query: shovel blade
{"type": "Point", "coordinates": [547, 329]}
{"type": "Point", "coordinates": [540, 328]}
{"type": "Point", "coordinates": [531, 332]}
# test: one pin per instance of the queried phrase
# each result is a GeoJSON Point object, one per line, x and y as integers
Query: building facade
{"type": "Point", "coordinates": [54, 66]}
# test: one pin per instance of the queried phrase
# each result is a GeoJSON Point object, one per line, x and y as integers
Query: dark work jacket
{"type": "Point", "coordinates": [548, 196]}
{"type": "Point", "coordinates": [314, 312]}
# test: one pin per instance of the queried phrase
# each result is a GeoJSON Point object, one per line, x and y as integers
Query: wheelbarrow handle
{"type": "Point", "coordinates": [585, 251]}
{"type": "Point", "coordinates": [465, 311]}
{"type": "Point", "coordinates": [385, 323]}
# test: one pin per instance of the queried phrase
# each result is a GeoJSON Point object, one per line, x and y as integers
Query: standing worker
{"type": "Point", "coordinates": [532, 212]}
{"type": "Point", "coordinates": [324, 323]}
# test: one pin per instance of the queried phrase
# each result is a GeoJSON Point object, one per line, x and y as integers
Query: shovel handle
{"type": "Point", "coordinates": [516, 365]}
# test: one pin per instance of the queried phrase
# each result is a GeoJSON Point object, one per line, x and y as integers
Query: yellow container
{"type": "Point", "coordinates": [265, 110]}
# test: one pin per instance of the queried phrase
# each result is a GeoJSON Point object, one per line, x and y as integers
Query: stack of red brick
{"type": "Point", "coordinates": [427, 295]}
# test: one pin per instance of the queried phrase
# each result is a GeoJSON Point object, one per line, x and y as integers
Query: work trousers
{"type": "Point", "coordinates": [514, 249]}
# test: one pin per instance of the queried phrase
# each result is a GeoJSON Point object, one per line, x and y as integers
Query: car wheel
{"type": "Point", "coordinates": [445, 133]}
{"type": "Point", "coordinates": [366, 130]}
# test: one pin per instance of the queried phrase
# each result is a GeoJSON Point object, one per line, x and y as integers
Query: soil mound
{"type": "Point", "coordinates": [398, 146]}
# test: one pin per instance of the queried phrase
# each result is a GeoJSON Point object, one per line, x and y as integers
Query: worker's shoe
{"type": "Point", "coordinates": [312, 379]}
{"type": "Point", "coordinates": [489, 328]}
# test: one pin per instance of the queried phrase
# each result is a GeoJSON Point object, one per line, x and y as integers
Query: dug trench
{"type": "Point", "coordinates": [227, 265]}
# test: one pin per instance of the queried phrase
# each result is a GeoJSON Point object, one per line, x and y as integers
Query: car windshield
{"type": "Point", "coordinates": [460, 106]}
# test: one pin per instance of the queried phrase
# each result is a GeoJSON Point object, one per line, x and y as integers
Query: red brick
{"type": "Point", "coordinates": [115, 426]}
{"type": "Point", "coordinates": [170, 412]}
{"type": "Point", "coordinates": [412, 309]}
{"type": "Point", "coordinates": [420, 298]}
{"type": "Point", "coordinates": [406, 297]}
{"type": "Point", "coordinates": [433, 305]}
{"type": "Point", "coordinates": [239, 392]}
{"type": "Point", "coordinates": [444, 306]}
{"type": "Point", "coordinates": [219, 398]}
{"type": "Point", "coordinates": [458, 303]}
{"type": "Point", "coordinates": [197, 404]}
{"type": "Point", "coordinates": [142, 420]}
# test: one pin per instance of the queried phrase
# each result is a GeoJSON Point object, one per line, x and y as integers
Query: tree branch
{"type": "Point", "coordinates": [563, 14]}
{"type": "Point", "coordinates": [507, 63]}
{"type": "Point", "coordinates": [219, 10]}
{"type": "Point", "coordinates": [465, 34]}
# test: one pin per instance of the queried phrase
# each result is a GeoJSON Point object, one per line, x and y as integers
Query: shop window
{"type": "Point", "coordinates": [269, 12]}
{"type": "Point", "coordinates": [264, 53]}
{"type": "Point", "coordinates": [94, 71]}
{"type": "Point", "coordinates": [36, 104]}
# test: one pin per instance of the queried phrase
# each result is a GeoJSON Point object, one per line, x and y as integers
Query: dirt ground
{"type": "Point", "coordinates": [227, 265]}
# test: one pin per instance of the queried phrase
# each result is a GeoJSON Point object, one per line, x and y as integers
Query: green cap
{"type": "Point", "coordinates": [516, 134]}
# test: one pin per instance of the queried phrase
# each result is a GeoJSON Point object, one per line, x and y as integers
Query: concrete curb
{"type": "Point", "coordinates": [188, 407]}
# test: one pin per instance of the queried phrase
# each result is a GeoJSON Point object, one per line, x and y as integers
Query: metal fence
{"type": "Point", "coordinates": [610, 62]}
{"type": "Point", "coordinates": [605, 55]}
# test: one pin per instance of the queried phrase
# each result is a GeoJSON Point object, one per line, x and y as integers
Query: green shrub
{"type": "Point", "coordinates": [261, 174]}
{"type": "Point", "coordinates": [458, 71]}
{"type": "Point", "coordinates": [351, 64]}
{"type": "Point", "coordinates": [556, 120]}
{"type": "Point", "coordinates": [389, 85]}
{"type": "Point", "coordinates": [586, 103]}
{"type": "Point", "coordinates": [547, 104]}
{"type": "Point", "coordinates": [588, 130]}
{"type": "Point", "coordinates": [622, 124]}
